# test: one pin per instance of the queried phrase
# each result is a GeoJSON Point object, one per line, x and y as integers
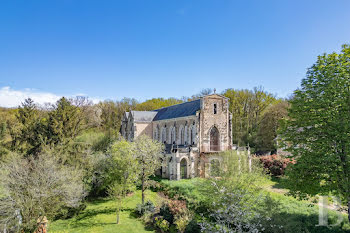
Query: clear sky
{"type": "Point", "coordinates": [162, 48]}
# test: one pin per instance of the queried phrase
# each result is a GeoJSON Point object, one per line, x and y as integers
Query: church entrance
{"type": "Point", "coordinates": [183, 168]}
{"type": "Point", "coordinates": [214, 139]}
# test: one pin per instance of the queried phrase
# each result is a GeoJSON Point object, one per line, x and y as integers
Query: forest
{"type": "Point", "coordinates": [65, 165]}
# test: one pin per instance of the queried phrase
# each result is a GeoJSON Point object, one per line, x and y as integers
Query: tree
{"type": "Point", "coordinates": [3, 149]}
{"type": "Point", "coordinates": [317, 131]}
{"type": "Point", "coordinates": [122, 173]}
{"type": "Point", "coordinates": [269, 125]}
{"type": "Point", "coordinates": [34, 188]}
{"type": "Point", "coordinates": [157, 103]}
{"type": "Point", "coordinates": [234, 197]}
{"type": "Point", "coordinates": [31, 136]}
{"type": "Point", "coordinates": [112, 113]}
{"type": "Point", "coordinates": [64, 122]}
{"type": "Point", "coordinates": [147, 153]}
{"type": "Point", "coordinates": [247, 108]}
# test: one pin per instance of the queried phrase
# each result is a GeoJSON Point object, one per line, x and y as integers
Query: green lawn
{"type": "Point", "coordinates": [99, 216]}
{"type": "Point", "coordinates": [294, 215]}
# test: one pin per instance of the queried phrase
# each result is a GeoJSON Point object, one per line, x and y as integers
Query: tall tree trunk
{"type": "Point", "coordinates": [118, 216]}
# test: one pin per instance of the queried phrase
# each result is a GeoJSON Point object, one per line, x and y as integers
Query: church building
{"type": "Point", "coordinates": [192, 132]}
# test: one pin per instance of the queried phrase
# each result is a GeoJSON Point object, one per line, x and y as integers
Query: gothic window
{"type": "Point", "coordinates": [156, 133]}
{"type": "Point", "coordinates": [182, 135]}
{"type": "Point", "coordinates": [193, 135]}
{"type": "Point", "coordinates": [163, 136]}
{"type": "Point", "coordinates": [215, 109]}
{"type": "Point", "coordinates": [214, 139]}
{"type": "Point", "coordinates": [173, 135]}
{"type": "Point", "coordinates": [185, 135]}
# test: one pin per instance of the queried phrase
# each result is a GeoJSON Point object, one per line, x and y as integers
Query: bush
{"type": "Point", "coordinates": [275, 164]}
{"type": "Point", "coordinates": [193, 227]}
{"type": "Point", "coordinates": [148, 207]}
{"type": "Point", "coordinates": [166, 213]}
{"type": "Point", "coordinates": [175, 212]}
{"type": "Point", "coordinates": [162, 224]}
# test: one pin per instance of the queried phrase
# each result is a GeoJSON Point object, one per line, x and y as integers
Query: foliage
{"type": "Point", "coordinates": [147, 153]}
{"type": "Point", "coordinates": [35, 187]}
{"type": "Point", "coordinates": [31, 131]}
{"type": "Point", "coordinates": [157, 103]}
{"type": "Point", "coordinates": [176, 213]}
{"type": "Point", "coordinates": [269, 125]}
{"type": "Point", "coordinates": [64, 122]}
{"type": "Point", "coordinates": [121, 173]}
{"type": "Point", "coordinates": [247, 108]}
{"type": "Point", "coordinates": [162, 224]}
{"type": "Point", "coordinates": [233, 213]}
{"type": "Point", "coordinates": [317, 131]}
{"type": "Point", "coordinates": [142, 209]}
{"type": "Point", "coordinates": [275, 164]}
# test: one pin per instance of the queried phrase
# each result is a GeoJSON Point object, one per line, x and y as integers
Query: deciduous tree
{"type": "Point", "coordinates": [122, 173]}
{"type": "Point", "coordinates": [36, 187]}
{"type": "Point", "coordinates": [317, 132]}
{"type": "Point", "coordinates": [148, 154]}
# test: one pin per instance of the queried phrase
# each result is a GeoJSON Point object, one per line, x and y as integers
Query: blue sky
{"type": "Point", "coordinates": [162, 48]}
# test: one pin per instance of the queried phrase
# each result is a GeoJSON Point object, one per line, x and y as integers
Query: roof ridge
{"type": "Point", "coordinates": [177, 104]}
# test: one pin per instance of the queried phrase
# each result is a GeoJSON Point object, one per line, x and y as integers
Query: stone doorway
{"type": "Point", "coordinates": [214, 139]}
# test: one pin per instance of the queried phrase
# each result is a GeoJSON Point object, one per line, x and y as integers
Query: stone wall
{"type": "Point", "coordinates": [220, 120]}
{"type": "Point", "coordinates": [142, 128]}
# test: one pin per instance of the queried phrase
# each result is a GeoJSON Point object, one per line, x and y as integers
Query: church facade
{"type": "Point", "coordinates": [192, 132]}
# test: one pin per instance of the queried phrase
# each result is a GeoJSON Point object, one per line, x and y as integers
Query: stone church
{"type": "Point", "coordinates": [192, 132]}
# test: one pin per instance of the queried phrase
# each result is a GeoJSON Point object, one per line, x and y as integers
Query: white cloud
{"type": "Point", "coordinates": [13, 98]}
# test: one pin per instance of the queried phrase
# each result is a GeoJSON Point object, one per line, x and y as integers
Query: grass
{"type": "Point", "coordinates": [100, 216]}
{"type": "Point", "coordinates": [294, 215]}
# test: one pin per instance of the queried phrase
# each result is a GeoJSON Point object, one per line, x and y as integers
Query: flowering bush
{"type": "Point", "coordinates": [175, 212]}
{"type": "Point", "coordinates": [275, 164]}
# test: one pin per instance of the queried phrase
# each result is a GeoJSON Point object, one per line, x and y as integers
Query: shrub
{"type": "Point", "coordinates": [162, 224]}
{"type": "Point", "coordinates": [176, 212]}
{"type": "Point", "coordinates": [275, 164]}
{"type": "Point", "coordinates": [166, 213]}
{"type": "Point", "coordinates": [193, 227]}
{"type": "Point", "coordinates": [148, 207]}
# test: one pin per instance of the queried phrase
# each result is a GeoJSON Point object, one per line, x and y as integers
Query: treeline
{"type": "Point", "coordinates": [30, 128]}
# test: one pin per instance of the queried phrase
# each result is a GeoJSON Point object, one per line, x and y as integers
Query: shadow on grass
{"type": "Point", "coordinates": [298, 223]}
{"type": "Point", "coordinates": [92, 213]}
{"type": "Point", "coordinates": [280, 183]}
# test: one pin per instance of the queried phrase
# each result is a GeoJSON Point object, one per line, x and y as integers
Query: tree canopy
{"type": "Point", "coordinates": [317, 132]}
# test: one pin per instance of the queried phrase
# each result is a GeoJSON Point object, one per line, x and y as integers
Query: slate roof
{"type": "Point", "coordinates": [178, 110]}
{"type": "Point", "coordinates": [143, 116]}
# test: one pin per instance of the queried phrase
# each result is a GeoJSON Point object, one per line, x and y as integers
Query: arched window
{"type": "Point", "coordinates": [163, 135]}
{"type": "Point", "coordinates": [182, 135]}
{"type": "Point", "coordinates": [183, 169]}
{"type": "Point", "coordinates": [214, 139]}
{"type": "Point", "coordinates": [173, 135]}
{"type": "Point", "coordinates": [193, 135]}
{"type": "Point", "coordinates": [156, 133]}
{"type": "Point", "coordinates": [185, 135]}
